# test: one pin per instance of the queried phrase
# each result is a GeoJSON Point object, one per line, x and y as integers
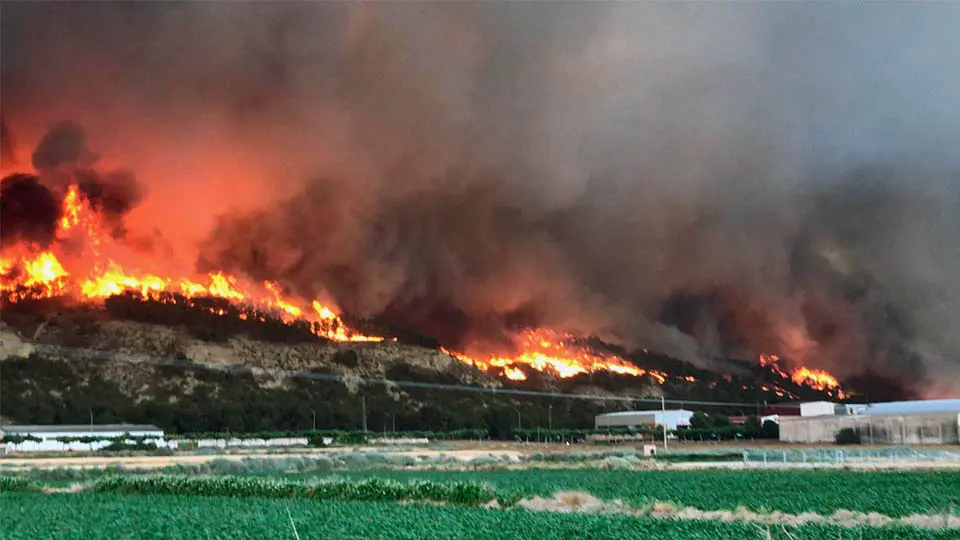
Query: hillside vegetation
{"type": "Point", "coordinates": [188, 370]}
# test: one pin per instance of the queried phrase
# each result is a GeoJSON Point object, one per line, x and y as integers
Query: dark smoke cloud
{"type": "Point", "coordinates": [28, 211]}
{"type": "Point", "coordinates": [64, 144]}
{"type": "Point", "coordinates": [112, 195]}
{"type": "Point", "coordinates": [32, 204]}
{"type": "Point", "coordinates": [706, 179]}
{"type": "Point", "coordinates": [7, 145]}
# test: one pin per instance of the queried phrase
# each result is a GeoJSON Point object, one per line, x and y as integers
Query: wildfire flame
{"type": "Point", "coordinates": [546, 350]}
{"type": "Point", "coordinates": [27, 272]}
{"type": "Point", "coordinates": [814, 378]}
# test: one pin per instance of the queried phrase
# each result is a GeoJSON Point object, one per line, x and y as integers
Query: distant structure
{"type": "Point", "coordinates": [900, 422]}
{"type": "Point", "coordinates": [672, 419]}
{"type": "Point", "coordinates": [828, 408]}
{"type": "Point", "coordinates": [78, 438]}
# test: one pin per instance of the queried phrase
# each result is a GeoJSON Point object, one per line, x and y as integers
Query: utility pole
{"type": "Point", "coordinates": [663, 419]}
{"type": "Point", "coordinates": [518, 419]}
{"type": "Point", "coordinates": [363, 405]}
{"type": "Point", "coordinates": [550, 417]}
{"type": "Point", "coordinates": [314, 413]}
{"type": "Point", "coordinates": [394, 422]}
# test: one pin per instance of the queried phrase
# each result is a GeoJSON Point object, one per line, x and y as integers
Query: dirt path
{"type": "Point", "coordinates": [149, 462]}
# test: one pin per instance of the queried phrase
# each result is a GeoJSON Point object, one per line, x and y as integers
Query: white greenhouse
{"type": "Point", "coordinates": [79, 438]}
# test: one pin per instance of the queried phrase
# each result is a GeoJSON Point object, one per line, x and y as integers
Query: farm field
{"type": "Point", "coordinates": [92, 516]}
{"type": "Point", "coordinates": [889, 493]}
{"type": "Point", "coordinates": [377, 495]}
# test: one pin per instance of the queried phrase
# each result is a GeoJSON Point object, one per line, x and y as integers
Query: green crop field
{"type": "Point", "coordinates": [95, 516]}
{"type": "Point", "coordinates": [890, 493]}
{"type": "Point", "coordinates": [448, 504]}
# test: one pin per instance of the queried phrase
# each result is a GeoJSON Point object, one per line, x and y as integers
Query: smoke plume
{"type": "Point", "coordinates": [7, 146]}
{"type": "Point", "coordinates": [31, 205]}
{"type": "Point", "coordinates": [704, 179]}
{"type": "Point", "coordinates": [28, 211]}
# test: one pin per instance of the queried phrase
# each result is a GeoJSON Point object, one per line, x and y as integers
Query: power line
{"type": "Point", "coordinates": [333, 377]}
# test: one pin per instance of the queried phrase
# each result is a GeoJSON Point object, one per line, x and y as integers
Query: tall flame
{"type": "Point", "coordinates": [814, 378]}
{"type": "Point", "coordinates": [26, 272]}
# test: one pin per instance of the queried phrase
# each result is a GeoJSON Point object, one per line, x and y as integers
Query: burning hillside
{"type": "Point", "coordinates": [59, 244]}
{"type": "Point", "coordinates": [67, 244]}
{"type": "Point", "coordinates": [814, 378]}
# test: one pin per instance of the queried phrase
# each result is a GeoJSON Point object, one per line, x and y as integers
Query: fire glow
{"type": "Point", "coordinates": [546, 350]}
{"type": "Point", "coordinates": [26, 272]}
{"type": "Point", "coordinates": [814, 378]}
{"type": "Point", "coordinates": [82, 264]}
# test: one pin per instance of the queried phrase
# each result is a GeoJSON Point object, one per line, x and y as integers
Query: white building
{"type": "Point", "coordinates": [914, 407]}
{"type": "Point", "coordinates": [633, 419]}
{"type": "Point", "coordinates": [850, 409]}
{"type": "Point", "coordinates": [826, 408]}
{"type": "Point", "coordinates": [818, 408]}
{"type": "Point", "coordinates": [62, 438]}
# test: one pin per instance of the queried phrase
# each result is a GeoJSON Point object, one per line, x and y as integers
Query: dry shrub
{"type": "Point", "coordinates": [568, 501]}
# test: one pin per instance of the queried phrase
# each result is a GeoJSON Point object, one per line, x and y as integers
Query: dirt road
{"type": "Point", "coordinates": [149, 462]}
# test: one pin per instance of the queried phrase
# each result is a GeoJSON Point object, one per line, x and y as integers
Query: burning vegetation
{"type": "Point", "coordinates": [546, 350]}
{"type": "Point", "coordinates": [64, 237]}
{"type": "Point", "coordinates": [814, 378]}
{"type": "Point", "coordinates": [30, 270]}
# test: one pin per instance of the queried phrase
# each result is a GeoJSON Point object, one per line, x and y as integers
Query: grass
{"type": "Point", "coordinates": [101, 516]}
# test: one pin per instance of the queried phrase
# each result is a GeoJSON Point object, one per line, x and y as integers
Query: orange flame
{"type": "Point", "coordinates": [545, 350]}
{"type": "Point", "coordinates": [814, 378]}
{"type": "Point", "coordinates": [29, 273]}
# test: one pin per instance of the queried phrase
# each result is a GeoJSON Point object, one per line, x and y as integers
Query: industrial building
{"type": "Point", "coordinates": [61, 438]}
{"type": "Point", "coordinates": [901, 422]}
{"type": "Point", "coordinates": [672, 419]}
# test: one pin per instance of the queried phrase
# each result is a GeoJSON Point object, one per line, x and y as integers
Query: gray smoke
{"type": "Point", "coordinates": [708, 179]}
{"type": "Point", "coordinates": [8, 146]}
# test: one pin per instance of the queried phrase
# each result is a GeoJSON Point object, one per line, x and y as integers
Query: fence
{"type": "Point", "coordinates": [256, 443]}
{"type": "Point", "coordinates": [849, 456]}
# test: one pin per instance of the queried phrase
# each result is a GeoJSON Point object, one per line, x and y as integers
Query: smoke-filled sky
{"type": "Point", "coordinates": [707, 179]}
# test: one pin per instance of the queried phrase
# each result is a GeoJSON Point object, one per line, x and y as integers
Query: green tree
{"type": "Point", "coordinates": [719, 420]}
{"type": "Point", "coordinates": [699, 420]}
{"type": "Point", "coordinates": [847, 436]}
{"type": "Point", "coordinates": [770, 430]}
{"type": "Point", "coordinates": [752, 427]}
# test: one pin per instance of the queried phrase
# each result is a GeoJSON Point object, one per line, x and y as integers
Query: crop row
{"type": "Point", "coordinates": [17, 484]}
{"type": "Point", "coordinates": [369, 489]}
{"type": "Point", "coordinates": [894, 494]}
{"type": "Point", "coordinates": [91, 516]}
{"type": "Point", "coordinates": [822, 491]}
